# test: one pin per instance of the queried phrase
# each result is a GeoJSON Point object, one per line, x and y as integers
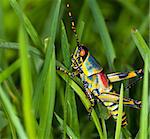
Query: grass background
{"type": "Point", "coordinates": [35, 36]}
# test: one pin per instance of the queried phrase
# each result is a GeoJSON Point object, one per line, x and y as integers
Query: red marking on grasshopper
{"type": "Point", "coordinates": [103, 79]}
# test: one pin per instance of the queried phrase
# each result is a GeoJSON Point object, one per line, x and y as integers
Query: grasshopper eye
{"type": "Point", "coordinates": [82, 52]}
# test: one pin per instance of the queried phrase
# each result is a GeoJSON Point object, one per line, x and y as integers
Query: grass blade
{"type": "Point", "coordinates": [26, 83]}
{"type": "Point", "coordinates": [144, 111]}
{"type": "Point", "coordinates": [52, 27]}
{"type": "Point", "coordinates": [39, 85]}
{"type": "Point", "coordinates": [48, 99]}
{"type": "Point", "coordinates": [12, 68]}
{"type": "Point", "coordinates": [69, 130]}
{"type": "Point", "coordinates": [103, 32]}
{"type": "Point", "coordinates": [104, 128]}
{"type": "Point", "coordinates": [27, 24]}
{"type": "Point", "coordinates": [15, 46]}
{"type": "Point", "coordinates": [11, 114]}
{"type": "Point", "coordinates": [119, 118]}
{"type": "Point", "coordinates": [141, 45]}
{"type": "Point", "coordinates": [65, 46]}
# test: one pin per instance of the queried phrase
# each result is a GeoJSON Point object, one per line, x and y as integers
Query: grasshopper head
{"type": "Point", "coordinates": [79, 56]}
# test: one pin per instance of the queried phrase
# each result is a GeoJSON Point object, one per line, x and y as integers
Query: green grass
{"type": "Point", "coordinates": [26, 84]}
{"type": "Point", "coordinates": [119, 118]}
{"type": "Point", "coordinates": [35, 36]}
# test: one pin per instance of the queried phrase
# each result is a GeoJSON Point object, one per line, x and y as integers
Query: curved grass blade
{"type": "Point", "coordinates": [15, 46]}
{"type": "Point", "coordinates": [84, 100]}
{"type": "Point", "coordinates": [141, 45]}
{"type": "Point", "coordinates": [12, 128]}
{"type": "Point", "coordinates": [11, 114]}
{"type": "Point", "coordinates": [26, 83]}
{"type": "Point", "coordinates": [7, 72]}
{"type": "Point", "coordinates": [142, 28]}
{"type": "Point", "coordinates": [27, 24]}
{"type": "Point", "coordinates": [144, 112]}
{"type": "Point", "coordinates": [70, 133]}
{"type": "Point", "coordinates": [103, 32]}
{"type": "Point", "coordinates": [119, 118]}
{"type": "Point", "coordinates": [126, 133]}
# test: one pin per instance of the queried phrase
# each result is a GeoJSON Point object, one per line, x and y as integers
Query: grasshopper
{"type": "Point", "coordinates": [98, 85]}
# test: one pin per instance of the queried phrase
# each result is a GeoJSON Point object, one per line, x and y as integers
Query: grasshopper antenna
{"type": "Point", "coordinates": [73, 25]}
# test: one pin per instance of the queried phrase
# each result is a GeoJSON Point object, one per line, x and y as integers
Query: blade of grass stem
{"type": "Point", "coordinates": [48, 98]}
{"type": "Point", "coordinates": [104, 128]}
{"type": "Point", "coordinates": [141, 45]}
{"type": "Point", "coordinates": [26, 83]}
{"type": "Point", "coordinates": [12, 128]}
{"type": "Point", "coordinates": [142, 28]}
{"type": "Point", "coordinates": [119, 118]}
{"type": "Point", "coordinates": [103, 32]}
{"type": "Point", "coordinates": [8, 71]}
{"type": "Point", "coordinates": [27, 24]}
{"type": "Point", "coordinates": [65, 46]}
{"type": "Point", "coordinates": [70, 133]}
{"type": "Point", "coordinates": [81, 29]}
{"type": "Point", "coordinates": [126, 133]}
{"type": "Point", "coordinates": [144, 111]}
{"type": "Point", "coordinates": [11, 114]}
{"type": "Point", "coordinates": [52, 27]}
{"type": "Point", "coordinates": [15, 46]}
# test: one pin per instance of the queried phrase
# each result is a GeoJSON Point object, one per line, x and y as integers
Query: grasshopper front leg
{"type": "Point", "coordinates": [90, 98]}
{"type": "Point", "coordinates": [115, 77]}
{"type": "Point", "coordinates": [85, 84]}
{"type": "Point", "coordinates": [72, 74]}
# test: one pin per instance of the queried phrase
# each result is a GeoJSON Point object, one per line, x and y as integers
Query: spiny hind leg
{"type": "Point", "coordinates": [113, 97]}
{"type": "Point", "coordinates": [124, 119]}
{"type": "Point", "coordinates": [132, 103]}
{"type": "Point", "coordinates": [113, 109]}
{"type": "Point", "coordinates": [114, 77]}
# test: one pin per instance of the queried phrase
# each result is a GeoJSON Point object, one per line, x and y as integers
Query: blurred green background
{"type": "Point", "coordinates": [103, 26]}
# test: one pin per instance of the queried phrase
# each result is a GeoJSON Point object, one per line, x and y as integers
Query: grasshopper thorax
{"type": "Point", "coordinates": [79, 56]}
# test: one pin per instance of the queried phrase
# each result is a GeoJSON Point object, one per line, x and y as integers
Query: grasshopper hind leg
{"type": "Point", "coordinates": [113, 109]}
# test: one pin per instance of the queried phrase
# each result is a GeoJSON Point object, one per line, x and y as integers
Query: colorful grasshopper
{"type": "Point", "coordinates": [96, 83]}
